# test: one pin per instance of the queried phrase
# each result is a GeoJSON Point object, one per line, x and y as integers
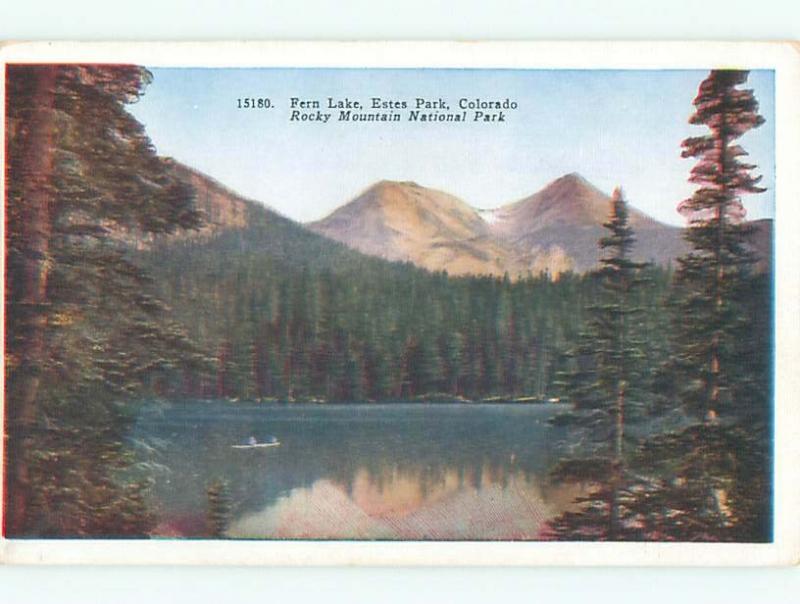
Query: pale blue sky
{"type": "Point", "coordinates": [613, 127]}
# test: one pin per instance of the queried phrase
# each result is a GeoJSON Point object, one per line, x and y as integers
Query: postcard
{"type": "Point", "coordinates": [401, 303]}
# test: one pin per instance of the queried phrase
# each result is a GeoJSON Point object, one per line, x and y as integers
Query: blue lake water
{"type": "Point", "coordinates": [383, 471]}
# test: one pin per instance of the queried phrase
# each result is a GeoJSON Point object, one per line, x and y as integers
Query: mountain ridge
{"type": "Point", "coordinates": [553, 230]}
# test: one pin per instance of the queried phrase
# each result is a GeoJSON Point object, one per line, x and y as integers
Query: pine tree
{"type": "Point", "coordinates": [605, 388]}
{"type": "Point", "coordinates": [82, 178]}
{"type": "Point", "coordinates": [713, 272]}
{"type": "Point", "coordinates": [715, 472]}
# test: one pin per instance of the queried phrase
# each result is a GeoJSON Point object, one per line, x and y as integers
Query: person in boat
{"type": "Point", "coordinates": [252, 441]}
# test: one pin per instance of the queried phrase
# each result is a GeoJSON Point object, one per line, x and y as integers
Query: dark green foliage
{"type": "Point", "coordinates": [85, 331]}
{"type": "Point", "coordinates": [701, 470]}
{"type": "Point", "coordinates": [611, 354]}
{"type": "Point", "coordinates": [608, 388]}
{"type": "Point", "coordinates": [300, 317]}
{"type": "Point", "coordinates": [724, 316]}
{"type": "Point", "coordinates": [78, 467]}
{"type": "Point", "coordinates": [710, 480]}
{"type": "Point", "coordinates": [713, 277]}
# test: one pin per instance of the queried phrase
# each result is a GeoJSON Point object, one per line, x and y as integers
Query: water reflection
{"type": "Point", "coordinates": [357, 472]}
{"type": "Point", "coordinates": [404, 509]}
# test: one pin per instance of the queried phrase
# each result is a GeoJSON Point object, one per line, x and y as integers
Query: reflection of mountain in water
{"type": "Point", "coordinates": [515, 508]}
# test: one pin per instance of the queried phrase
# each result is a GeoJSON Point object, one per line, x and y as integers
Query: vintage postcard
{"type": "Point", "coordinates": [401, 303]}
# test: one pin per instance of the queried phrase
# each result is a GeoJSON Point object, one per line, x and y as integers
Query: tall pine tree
{"type": "Point", "coordinates": [84, 333]}
{"type": "Point", "coordinates": [718, 266]}
{"type": "Point", "coordinates": [605, 389]}
{"type": "Point", "coordinates": [715, 482]}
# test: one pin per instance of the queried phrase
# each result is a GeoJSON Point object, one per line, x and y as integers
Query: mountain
{"type": "Point", "coordinates": [407, 222]}
{"type": "Point", "coordinates": [554, 230]}
{"type": "Point", "coordinates": [569, 200]}
{"type": "Point", "coordinates": [565, 221]}
{"type": "Point", "coordinates": [221, 207]}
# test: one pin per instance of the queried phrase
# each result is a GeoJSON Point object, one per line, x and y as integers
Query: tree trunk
{"type": "Point", "coordinates": [36, 166]}
{"type": "Point", "coordinates": [618, 469]}
{"type": "Point", "coordinates": [719, 275]}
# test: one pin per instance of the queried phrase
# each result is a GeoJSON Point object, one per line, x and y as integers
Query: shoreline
{"type": "Point", "coordinates": [526, 401]}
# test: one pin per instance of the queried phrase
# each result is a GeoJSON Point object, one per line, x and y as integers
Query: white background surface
{"type": "Point", "coordinates": [409, 19]}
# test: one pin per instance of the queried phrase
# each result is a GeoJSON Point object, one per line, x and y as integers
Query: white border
{"type": "Point", "coordinates": [784, 58]}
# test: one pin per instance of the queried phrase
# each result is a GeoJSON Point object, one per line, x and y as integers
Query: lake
{"type": "Point", "coordinates": [379, 471]}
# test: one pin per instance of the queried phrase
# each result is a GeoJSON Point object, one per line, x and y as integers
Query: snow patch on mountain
{"type": "Point", "coordinates": [489, 216]}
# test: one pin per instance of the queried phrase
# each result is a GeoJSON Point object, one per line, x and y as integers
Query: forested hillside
{"type": "Point", "coordinates": [284, 313]}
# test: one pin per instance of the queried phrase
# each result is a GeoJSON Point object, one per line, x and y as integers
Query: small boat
{"type": "Point", "coordinates": [256, 445]}
{"type": "Point", "coordinates": [252, 443]}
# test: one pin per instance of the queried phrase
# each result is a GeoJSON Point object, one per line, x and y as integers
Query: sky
{"type": "Point", "coordinates": [614, 127]}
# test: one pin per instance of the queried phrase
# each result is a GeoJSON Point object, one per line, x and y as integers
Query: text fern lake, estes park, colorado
{"type": "Point", "coordinates": [400, 303]}
{"type": "Point", "coordinates": [379, 109]}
